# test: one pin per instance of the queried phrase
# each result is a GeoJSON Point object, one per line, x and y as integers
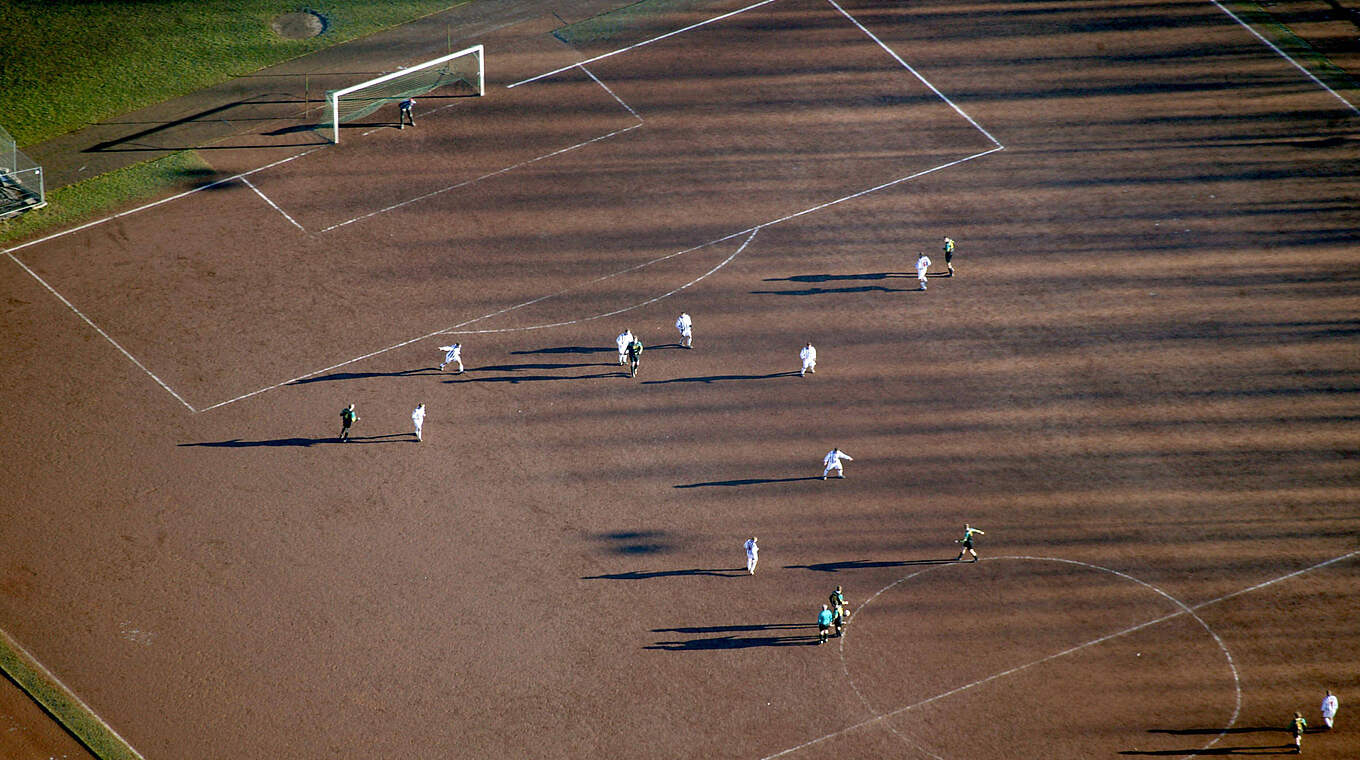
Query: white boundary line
{"type": "Point", "coordinates": [1285, 56]}
{"type": "Point", "coordinates": [275, 206]}
{"type": "Point", "coordinates": [1184, 610]}
{"type": "Point", "coordinates": [914, 73]}
{"type": "Point", "coordinates": [31, 660]}
{"type": "Point", "coordinates": [100, 330]}
{"type": "Point", "coordinates": [640, 44]}
{"type": "Point", "coordinates": [455, 331]}
{"type": "Point", "coordinates": [474, 180]}
{"type": "Point", "coordinates": [638, 305]}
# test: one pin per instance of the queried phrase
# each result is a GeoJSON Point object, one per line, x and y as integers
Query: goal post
{"type": "Point", "coordinates": [465, 71]}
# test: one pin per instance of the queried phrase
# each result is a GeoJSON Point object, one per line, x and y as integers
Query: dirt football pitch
{"type": "Point", "coordinates": [1140, 383]}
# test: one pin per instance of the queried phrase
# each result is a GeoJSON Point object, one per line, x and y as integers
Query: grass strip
{"type": "Point", "coordinates": [61, 704]}
{"type": "Point", "coordinates": [1312, 59]}
{"type": "Point", "coordinates": [618, 25]}
{"type": "Point", "coordinates": [69, 63]}
{"type": "Point", "coordinates": [107, 193]}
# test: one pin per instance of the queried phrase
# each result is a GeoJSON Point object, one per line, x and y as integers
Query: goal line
{"type": "Point", "coordinates": [464, 70]}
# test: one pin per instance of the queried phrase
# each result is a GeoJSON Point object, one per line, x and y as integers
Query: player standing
{"type": "Point", "coordinates": [624, 340]}
{"type": "Point", "coordinates": [809, 357]}
{"type": "Point", "coordinates": [686, 327]}
{"type": "Point", "coordinates": [949, 255]}
{"type": "Point", "coordinates": [839, 610]}
{"type": "Point", "coordinates": [922, 264]}
{"type": "Point", "coordinates": [407, 109]}
{"type": "Point", "coordinates": [1329, 706]}
{"type": "Point", "coordinates": [418, 419]}
{"type": "Point", "coordinates": [752, 554]}
{"type": "Point", "coordinates": [832, 461]}
{"type": "Point", "coordinates": [824, 619]}
{"type": "Point", "coordinates": [634, 357]}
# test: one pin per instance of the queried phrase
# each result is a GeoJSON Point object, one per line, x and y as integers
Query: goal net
{"type": "Point", "coordinates": [460, 73]}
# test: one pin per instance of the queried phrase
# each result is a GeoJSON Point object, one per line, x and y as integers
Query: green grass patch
{"type": "Point", "coordinates": [1294, 46]}
{"type": "Point", "coordinates": [61, 704]}
{"type": "Point", "coordinates": [622, 25]}
{"type": "Point", "coordinates": [99, 196]}
{"type": "Point", "coordinates": [70, 63]}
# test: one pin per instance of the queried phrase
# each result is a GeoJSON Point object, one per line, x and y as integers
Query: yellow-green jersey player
{"type": "Point", "coordinates": [967, 541]}
{"type": "Point", "coordinates": [634, 352]}
{"type": "Point", "coordinates": [1297, 725]}
{"type": "Point", "coordinates": [949, 255]}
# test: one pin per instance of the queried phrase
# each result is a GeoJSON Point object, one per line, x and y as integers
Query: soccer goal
{"type": "Point", "coordinates": [463, 73]}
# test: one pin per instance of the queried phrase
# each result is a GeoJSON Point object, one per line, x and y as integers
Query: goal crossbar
{"type": "Point", "coordinates": [409, 82]}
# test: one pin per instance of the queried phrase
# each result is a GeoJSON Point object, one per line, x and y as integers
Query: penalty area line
{"type": "Point", "coordinates": [488, 175]}
{"type": "Point", "coordinates": [616, 312]}
{"type": "Point", "coordinates": [100, 330]}
{"type": "Point", "coordinates": [750, 232]}
{"type": "Point", "coordinates": [455, 331]}
{"type": "Point", "coordinates": [639, 44]}
{"type": "Point", "coordinates": [272, 204]}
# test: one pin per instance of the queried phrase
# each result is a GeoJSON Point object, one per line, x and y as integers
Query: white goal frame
{"type": "Point", "coordinates": [334, 97]}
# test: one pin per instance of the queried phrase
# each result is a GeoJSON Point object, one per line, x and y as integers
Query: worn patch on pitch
{"type": "Point", "coordinates": [299, 25]}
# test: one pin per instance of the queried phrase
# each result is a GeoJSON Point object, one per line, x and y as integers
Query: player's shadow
{"type": "Point", "coordinates": [1268, 749]}
{"type": "Point", "coordinates": [822, 278]}
{"type": "Point", "coordinates": [1258, 749]}
{"type": "Point", "coordinates": [738, 628]}
{"type": "Point", "coordinates": [237, 443]}
{"type": "Point", "coordinates": [1217, 731]}
{"type": "Point", "coordinates": [335, 376]}
{"type": "Point", "coordinates": [463, 378]}
{"type": "Point", "coordinates": [717, 378]}
{"type": "Point", "coordinates": [861, 564]}
{"type": "Point", "coordinates": [568, 350]}
{"type": "Point", "coordinates": [542, 366]}
{"type": "Point", "coordinates": [829, 291]}
{"type": "Point", "coordinates": [745, 481]}
{"type": "Point", "coordinates": [295, 129]}
{"type": "Point", "coordinates": [640, 575]}
{"type": "Point", "coordinates": [832, 277]}
{"type": "Point", "coordinates": [710, 643]}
